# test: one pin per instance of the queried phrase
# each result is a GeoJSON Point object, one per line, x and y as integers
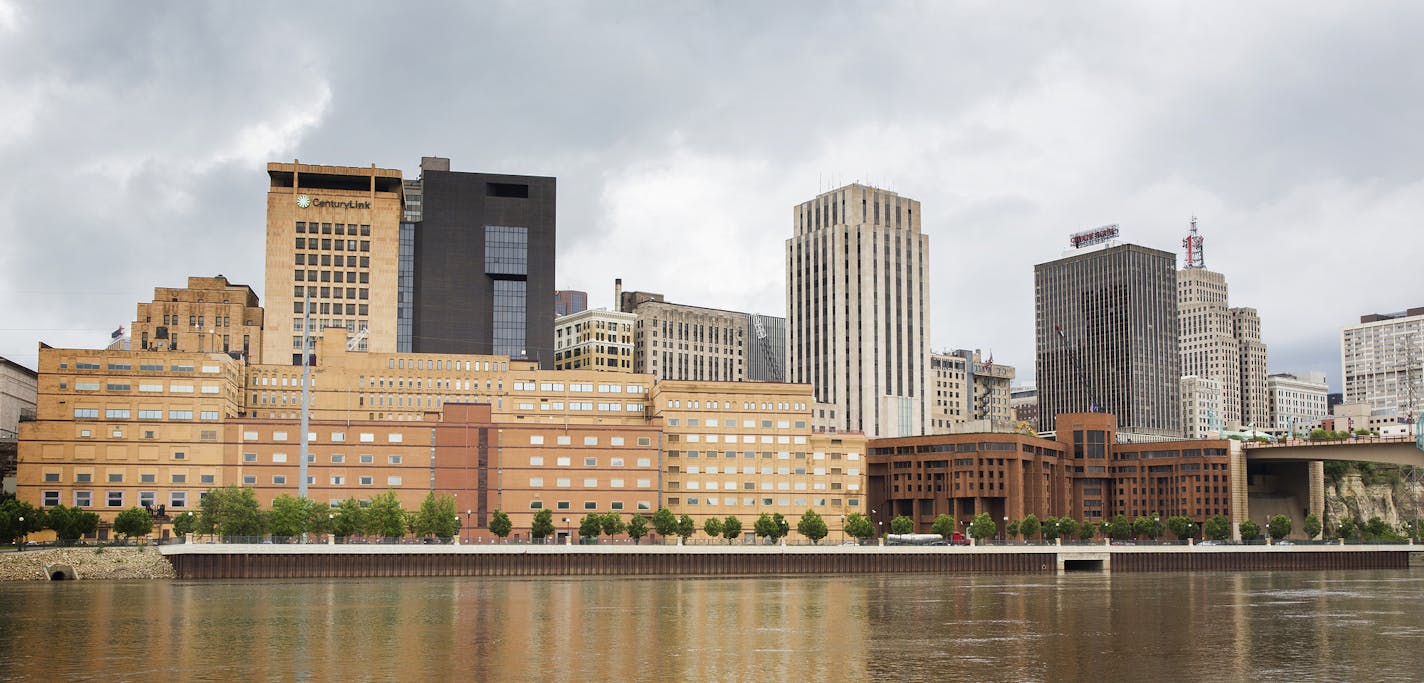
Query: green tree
{"type": "Point", "coordinates": [1052, 528]}
{"type": "Point", "coordinates": [764, 526]}
{"type": "Point", "coordinates": [664, 522]}
{"type": "Point", "coordinates": [11, 512]}
{"type": "Point", "coordinates": [133, 522]}
{"type": "Point", "coordinates": [230, 511]}
{"type": "Point", "coordinates": [637, 528]}
{"type": "Point", "coordinates": [1347, 529]}
{"type": "Point", "coordinates": [902, 525]}
{"type": "Point", "coordinates": [1142, 527]}
{"type": "Point", "coordinates": [858, 526]}
{"type": "Point", "coordinates": [712, 526]}
{"type": "Point", "coordinates": [1249, 530]}
{"type": "Point", "coordinates": [500, 525]}
{"type": "Point", "coordinates": [731, 528]}
{"type": "Point", "coordinates": [69, 524]}
{"type": "Point", "coordinates": [437, 517]}
{"type": "Point", "coordinates": [350, 519]}
{"type": "Point", "coordinates": [685, 527]}
{"type": "Point", "coordinates": [1181, 526]}
{"type": "Point", "coordinates": [1011, 530]}
{"type": "Point", "coordinates": [982, 527]}
{"type": "Point", "coordinates": [386, 517]}
{"type": "Point", "coordinates": [1278, 526]}
{"type": "Point", "coordinates": [613, 524]}
{"type": "Point", "coordinates": [782, 526]}
{"type": "Point", "coordinates": [944, 526]}
{"type": "Point", "coordinates": [1217, 528]}
{"type": "Point", "coordinates": [1030, 526]}
{"type": "Point", "coordinates": [543, 525]}
{"type": "Point", "coordinates": [1087, 530]}
{"type": "Point", "coordinates": [590, 526]}
{"type": "Point", "coordinates": [293, 516]}
{"type": "Point", "coordinates": [183, 524]}
{"type": "Point", "coordinates": [1380, 530]}
{"type": "Point", "coordinates": [812, 526]}
{"type": "Point", "coordinates": [1119, 528]}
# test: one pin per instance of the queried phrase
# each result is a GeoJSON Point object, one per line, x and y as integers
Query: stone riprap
{"type": "Point", "coordinates": [88, 564]}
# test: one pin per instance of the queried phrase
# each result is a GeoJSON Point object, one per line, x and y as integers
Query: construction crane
{"type": "Point", "coordinates": [355, 341]}
{"type": "Point", "coordinates": [1077, 353]}
{"type": "Point", "coordinates": [761, 336]}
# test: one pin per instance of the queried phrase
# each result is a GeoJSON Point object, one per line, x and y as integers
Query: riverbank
{"type": "Point", "coordinates": [267, 561]}
{"type": "Point", "coordinates": [87, 563]}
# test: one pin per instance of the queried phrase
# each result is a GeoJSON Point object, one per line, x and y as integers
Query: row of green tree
{"type": "Point", "coordinates": [19, 519]}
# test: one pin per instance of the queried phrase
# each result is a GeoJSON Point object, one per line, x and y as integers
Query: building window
{"type": "Point", "coordinates": [177, 499]}
{"type": "Point", "coordinates": [115, 499]}
{"type": "Point", "coordinates": [49, 499]}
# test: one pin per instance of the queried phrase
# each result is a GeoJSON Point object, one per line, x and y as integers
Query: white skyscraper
{"type": "Point", "coordinates": [1382, 362]}
{"type": "Point", "coordinates": [857, 300]}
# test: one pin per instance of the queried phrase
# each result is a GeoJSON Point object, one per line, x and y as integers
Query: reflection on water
{"type": "Point", "coordinates": [1215, 626]}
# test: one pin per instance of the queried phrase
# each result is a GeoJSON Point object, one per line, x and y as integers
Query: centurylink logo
{"type": "Point", "coordinates": [303, 201]}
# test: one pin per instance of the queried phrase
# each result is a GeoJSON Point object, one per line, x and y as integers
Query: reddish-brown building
{"type": "Point", "coordinates": [1083, 473]}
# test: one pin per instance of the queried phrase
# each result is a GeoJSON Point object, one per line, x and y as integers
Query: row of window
{"type": "Point", "coordinates": [589, 505]}
{"type": "Point", "coordinates": [579, 388]}
{"type": "Point", "coordinates": [564, 482]}
{"type": "Point", "coordinates": [118, 478]}
{"type": "Point", "coordinates": [768, 471]}
{"type": "Point", "coordinates": [145, 388]}
{"type": "Point", "coordinates": [732, 423]}
{"type": "Point", "coordinates": [566, 461]}
{"type": "Point", "coordinates": [765, 486]}
{"type": "Point", "coordinates": [762, 502]}
{"type": "Point", "coordinates": [336, 458]}
{"type": "Point", "coordinates": [143, 367]}
{"type": "Point", "coordinates": [729, 405]}
{"type": "Point", "coordinates": [126, 414]}
{"type": "Point", "coordinates": [340, 228]}
{"type": "Point", "coordinates": [114, 499]}
{"type": "Point", "coordinates": [336, 437]}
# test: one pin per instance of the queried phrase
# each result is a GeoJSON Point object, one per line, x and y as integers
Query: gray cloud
{"type": "Point", "coordinates": [683, 133]}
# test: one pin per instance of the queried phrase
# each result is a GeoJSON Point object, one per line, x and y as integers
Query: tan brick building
{"type": "Point", "coordinates": [741, 449]}
{"type": "Point", "coordinates": [332, 233]}
{"type": "Point", "coordinates": [210, 315]}
{"type": "Point", "coordinates": [595, 340]}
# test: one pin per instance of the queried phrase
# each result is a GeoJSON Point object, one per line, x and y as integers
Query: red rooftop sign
{"type": "Point", "coordinates": [1094, 236]}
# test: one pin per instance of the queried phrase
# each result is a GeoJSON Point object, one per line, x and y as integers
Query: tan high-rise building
{"type": "Point", "coordinates": [857, 293]}
{"type": "Point", "coordinates": [332, 234]}
{"type": "Point", "coordinates": [1255, 399]}
{"type": "Point", "coordinates": [209, 315]}
{"type": "Point", "coordinates": [1219, 342]}
{"type": "Point", "coordinates": [1382, 362]}
{"type": "Point", "coordinates": [739, 449]}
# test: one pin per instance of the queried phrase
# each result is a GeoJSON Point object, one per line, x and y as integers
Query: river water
{"type": "Point", "coordinates": [1249, 626]}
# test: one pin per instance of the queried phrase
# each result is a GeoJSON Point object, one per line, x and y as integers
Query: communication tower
{"type": "Point", "coordinates": [1193, 246]}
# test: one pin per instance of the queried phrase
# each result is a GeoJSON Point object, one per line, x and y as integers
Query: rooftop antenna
{"type": "Point", "coordinates": [1192, 245]}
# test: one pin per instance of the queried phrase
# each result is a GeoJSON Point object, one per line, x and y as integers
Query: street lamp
{"type": "Point", "coordinates": [1156, 527]}
{"type": "Point", "coordinates": [568, 531]}
{"type": "Point", "coordinates": [331, 525]}
{"type": "Point", "coordinates": [1005, 535]}
{"type": "Point", "coordinates": [842, 528]}
{"type": "Point", "coordinates": [22, 534]}
{"type": "Point", "coordinates": [467, 523]}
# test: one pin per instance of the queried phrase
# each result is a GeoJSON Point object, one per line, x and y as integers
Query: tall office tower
{"type": "Point", "coordinates": [210, 315]}
{"type": "Point", "coordinates": [1106, 333]}
{"type": "Point", "coordinates": [1220, 342]}
{"type": "Point", "coordinates": [332, 233]}
{"type": "Point", "coordinates": [1382, 362]}
{"type": "Point", "coordinates": [1255, 400]}
{"type": "Point", "coordinates": [857, 297]}
{"type": "Point", "coordinates": [483, 264]}
{"type": "Point", "coordinates": [570, 301]}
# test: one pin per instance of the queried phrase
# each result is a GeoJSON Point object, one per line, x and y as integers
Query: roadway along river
{"type": "Point", "coordinates": [1363, 626]}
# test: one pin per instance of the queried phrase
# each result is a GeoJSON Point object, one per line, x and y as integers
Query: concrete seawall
{"type": "Point", "coordinates": [315, 561]}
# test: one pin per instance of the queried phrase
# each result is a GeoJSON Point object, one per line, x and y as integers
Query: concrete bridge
{"type": "Point", "coordinates": [1395, 450]}
{"type": "Point", "coordinates": [1288, 477]}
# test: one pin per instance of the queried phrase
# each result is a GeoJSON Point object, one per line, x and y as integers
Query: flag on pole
{"type": "Point", "coordinates": [117, 333]}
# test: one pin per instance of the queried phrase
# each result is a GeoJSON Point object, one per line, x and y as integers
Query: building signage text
{"type": "Point", "coordinates": [1094, 236]}
{"type": "Point", "coordinates": [304, 202]}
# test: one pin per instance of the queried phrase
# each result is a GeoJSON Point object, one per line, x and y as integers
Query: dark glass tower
{"type": "Point", "coordinates": [483, 266]}
{"type": "Point", "coordinates": [1106, 332]}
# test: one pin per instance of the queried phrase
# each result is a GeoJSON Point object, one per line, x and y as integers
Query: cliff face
{"type": "Point", "coordinates": [1393, 503]}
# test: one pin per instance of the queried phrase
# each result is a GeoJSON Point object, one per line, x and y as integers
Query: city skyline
{"type": "Point", "coordinates": [1049, 122]}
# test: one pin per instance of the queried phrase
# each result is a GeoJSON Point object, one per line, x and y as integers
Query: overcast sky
{"type": "Point", "coordinates": [133, 138]}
